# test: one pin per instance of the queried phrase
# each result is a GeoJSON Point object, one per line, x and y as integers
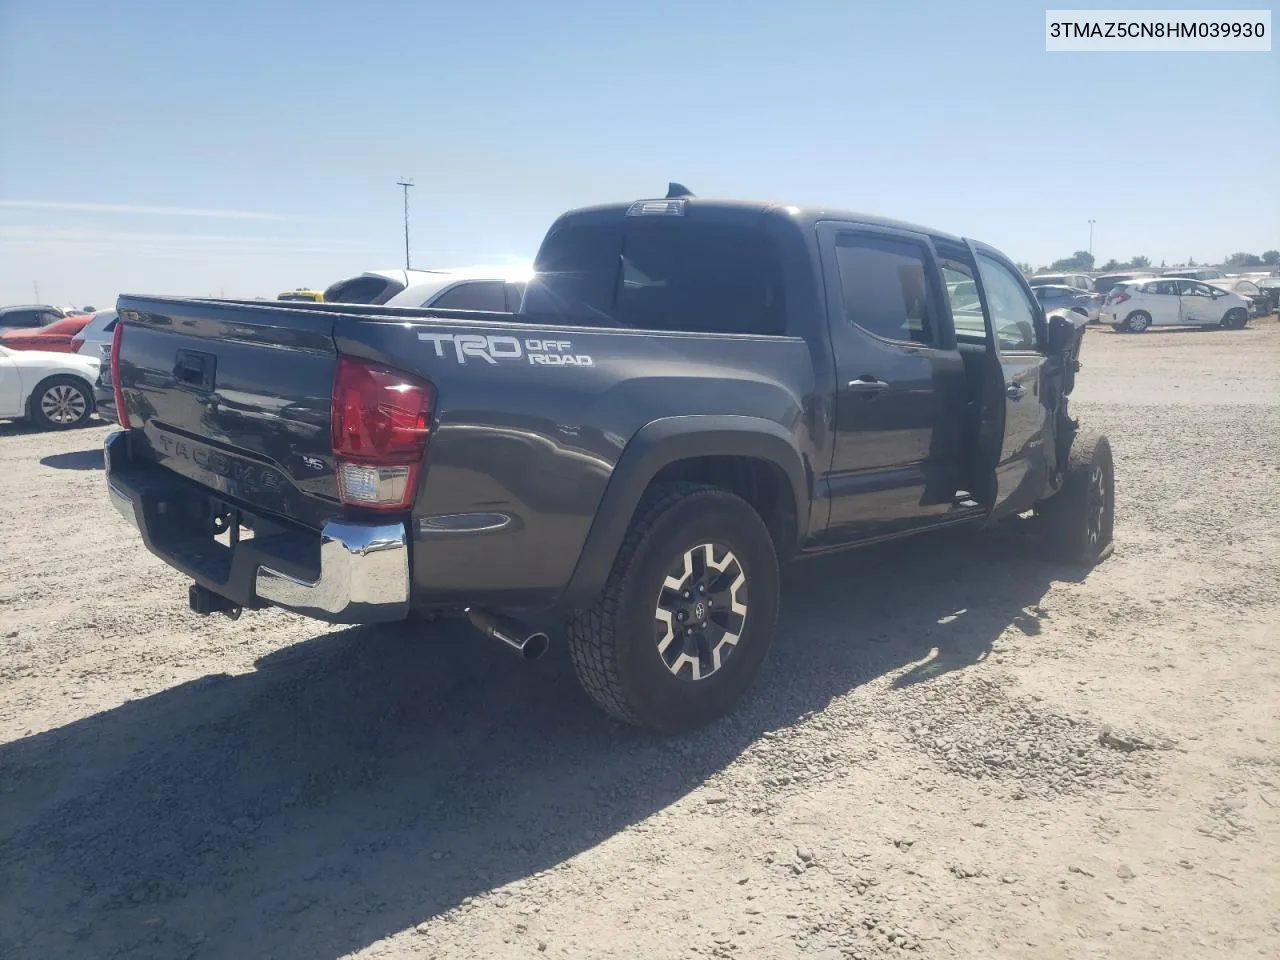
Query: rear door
{"type": "Point", "coordinates": [1013, 317]}
{"type": "Point", "coordinates": [1160, 299]}
{"type": "Point", "coordinates": [899, 381]}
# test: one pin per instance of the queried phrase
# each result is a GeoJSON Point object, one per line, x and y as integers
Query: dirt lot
{"type": "Point", "coordinates": [957, 750]}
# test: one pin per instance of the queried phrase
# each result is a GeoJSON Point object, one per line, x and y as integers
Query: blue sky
{"type": "Point", "coordinates": [246, 148]}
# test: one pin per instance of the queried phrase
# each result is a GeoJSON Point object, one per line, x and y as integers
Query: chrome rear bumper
{"type": "Point", "coordinates": [363, 574]}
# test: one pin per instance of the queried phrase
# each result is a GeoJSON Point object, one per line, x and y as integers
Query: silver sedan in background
{"type": "Point", "coordinates": [1054, 297]}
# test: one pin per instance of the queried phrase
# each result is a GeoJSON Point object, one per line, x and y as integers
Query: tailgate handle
{"type": "Point", "coordinates": [195, 368]}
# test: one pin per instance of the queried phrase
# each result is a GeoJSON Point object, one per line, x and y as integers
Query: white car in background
{"type": "Point", "coordinates": [1167, 302]}
{"type": "Point", "coordinates": [96, 335]}
{"type": "Point", "coordinates": [498, 289]}
{"type": "Point", "coordinates": [53, 390]}
{"type": "Point", "coordinates": [1259, 300]}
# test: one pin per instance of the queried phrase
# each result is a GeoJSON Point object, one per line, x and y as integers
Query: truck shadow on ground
{"type": "Point", "coordinates": [363, 781]}
{"type": "Point", "coordinates": [75, 460]}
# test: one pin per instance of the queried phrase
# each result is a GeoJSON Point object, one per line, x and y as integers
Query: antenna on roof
{"type": "Point", "coordinates": [676, 190]}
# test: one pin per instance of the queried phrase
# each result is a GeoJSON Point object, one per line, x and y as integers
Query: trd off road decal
{"type": "Point", "coordinates": [498, 349]}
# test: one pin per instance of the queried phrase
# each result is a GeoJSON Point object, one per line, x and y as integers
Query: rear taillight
{"type": "Point", "coordinates": [122, 412]}
{"type": "Point", "coordinates": [381, 421]}
{"type": "Point", "coordinates": [76, 344]}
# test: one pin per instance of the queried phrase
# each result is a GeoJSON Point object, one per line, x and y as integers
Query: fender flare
{"type": "Point", "coordinates": [663, 442]}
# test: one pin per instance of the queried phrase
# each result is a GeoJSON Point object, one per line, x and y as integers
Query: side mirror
{"type": "Point", "coordinates": [1064, 333]}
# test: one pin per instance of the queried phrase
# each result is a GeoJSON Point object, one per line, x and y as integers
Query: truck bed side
{"type": "Point", "coordinates": [530, 422]}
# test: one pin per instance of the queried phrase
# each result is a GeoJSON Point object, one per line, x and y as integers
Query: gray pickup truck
{"type": "Point", "coordinates": [691, 392]}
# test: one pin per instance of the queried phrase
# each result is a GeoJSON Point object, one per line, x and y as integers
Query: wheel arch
{"type": "Point", "coordinates": [43, 382]}
{"type": "Point", "coordinates": [749, 456]}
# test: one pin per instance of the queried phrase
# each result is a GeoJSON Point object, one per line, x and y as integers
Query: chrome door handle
{"type": "Point", "coordinates": [868, 385]}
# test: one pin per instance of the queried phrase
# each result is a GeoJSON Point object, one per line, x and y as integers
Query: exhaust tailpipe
{"type": "Point", "coordinates": [528, 644]}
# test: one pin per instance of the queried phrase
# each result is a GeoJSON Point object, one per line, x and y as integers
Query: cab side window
{"type": "Point", "coordinates": [477, 295]}
{"type": "Point", "coordinates": [1012, 312]}
{"type": "Point", "coordinates": [962, 292]}
{"type": "Point", "coordinates": [884, 287]}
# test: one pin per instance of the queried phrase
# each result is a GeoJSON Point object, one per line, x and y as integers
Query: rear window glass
{"type": "Point", "coordinates": [700, 277]}
{"type": "Point", "coordinates": [884, 287]}
{"type": "Point", "coordinates": [1104, 284]}
{"type": "Point", "coordinates": [376, 290]}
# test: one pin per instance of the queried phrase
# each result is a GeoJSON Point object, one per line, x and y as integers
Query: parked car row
{"type": "Point", "coordinates": [1203, 296]}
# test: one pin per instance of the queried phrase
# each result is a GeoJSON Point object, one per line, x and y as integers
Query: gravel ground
{"type": "Point", "coordinates": [957, 750]}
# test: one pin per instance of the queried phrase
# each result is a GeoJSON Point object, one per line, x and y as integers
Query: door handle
{"type": "Point", "coordinates": [868, 386]}
{"type": "Point", "coordinates": [1014, 391]}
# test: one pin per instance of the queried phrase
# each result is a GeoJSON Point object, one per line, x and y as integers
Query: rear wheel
{"type": "Point", "coordinates": [60, 403]}
{"type": "Point", "coordinates": [1079, 520]}
{"type": "Point", "coordinates": [1235, 319]}
{"type": "Point", "coordinates": [687, 615]}
{"type": "Point", "coordinates": [1138, 321]}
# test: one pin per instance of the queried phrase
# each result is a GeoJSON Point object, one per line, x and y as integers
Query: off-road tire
{"type": "Point", "coordinates": [1073, 530]}
{"type": "Point", "coordinates": [612, 643]}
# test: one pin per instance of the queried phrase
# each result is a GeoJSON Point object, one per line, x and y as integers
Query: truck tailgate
{"type": "Point", "coordinates": [235, 396]}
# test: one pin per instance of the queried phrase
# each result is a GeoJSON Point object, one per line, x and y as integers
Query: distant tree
{"type": "Point", "coordinates": [1080, 260]}
{"type": "Point", "coordinates": [1161, 264]}
{"type": "Point", "coordinates": [1191, 261]}
{"type": "Point", "coordinates": [1026, 269]}
{"type": "Point", "coordinates": [1112, 265]}
{"type": "Point", "coordinates": [1140, 263]}
{"type": "Point", "coordinates": [1271, 257]}
{"type": "Point", "coordinates": [1244, 260]}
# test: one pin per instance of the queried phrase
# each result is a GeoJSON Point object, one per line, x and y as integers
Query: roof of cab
{"type": "Point", "coordinates": [707, 208]}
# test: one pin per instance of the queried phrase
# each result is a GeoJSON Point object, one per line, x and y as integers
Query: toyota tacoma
{"type": "Point", "coordinates": [691, 392]}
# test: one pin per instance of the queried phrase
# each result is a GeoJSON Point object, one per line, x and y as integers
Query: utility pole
{"type": "Point", "coordinates": [406, 183]}
{"type": "Point", "coordinates": [1091, 223]}
{"type": "Point", "coordinates": [35, 285]}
